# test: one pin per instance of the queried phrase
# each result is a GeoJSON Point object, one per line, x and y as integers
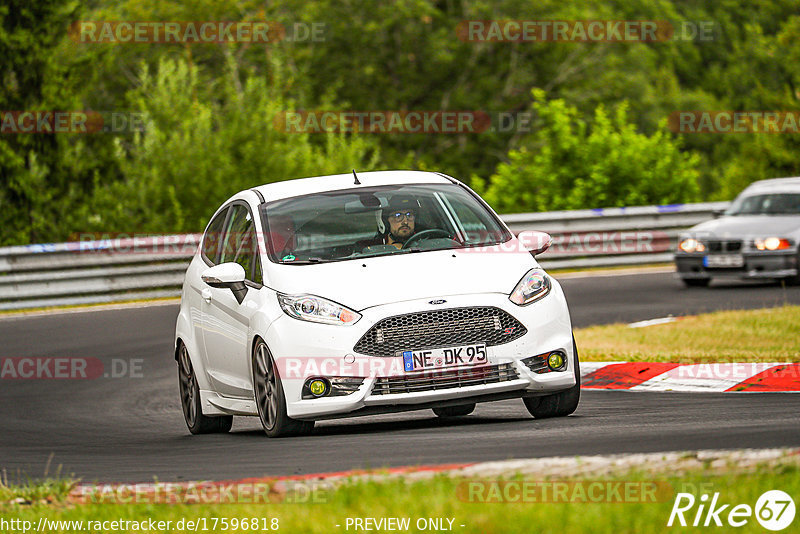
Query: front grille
{"type": "Point", "coordinates": [724, 246]}
{"type": "Point", "coordinates": [446, 379]}
{"type": "Point", "coordinates": [440, 328]}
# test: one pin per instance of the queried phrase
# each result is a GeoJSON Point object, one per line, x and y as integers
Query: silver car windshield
{"type": "Point", "coordinates": [767, 204]}
{"type": "Point", "coordinates": [366, 222]}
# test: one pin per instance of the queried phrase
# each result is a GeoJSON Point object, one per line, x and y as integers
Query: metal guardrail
{"type": "Point", "coordinates": [152, 267]}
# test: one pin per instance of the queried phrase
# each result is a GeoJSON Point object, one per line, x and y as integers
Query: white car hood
{"type": "Point", "coordinates": [366, 282]}
{"type": "Point", "coordinates": [741, 226]}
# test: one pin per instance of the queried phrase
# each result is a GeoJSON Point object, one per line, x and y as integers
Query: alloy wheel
{"type": "Point", "coordinates": [266, 387]}
{"type": "Point", "coordinates": [188, 385]}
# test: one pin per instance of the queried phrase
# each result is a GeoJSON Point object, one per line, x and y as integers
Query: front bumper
{"type": "Point", "coordinates": [769, 265]}
{"type": "Point", "coordinates": [302, 350]}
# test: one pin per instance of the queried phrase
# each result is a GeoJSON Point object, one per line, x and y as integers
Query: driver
{"type": "Point", "coordinates": [399, 219]}
{"type": "Point", "coordinates": [398, 222]}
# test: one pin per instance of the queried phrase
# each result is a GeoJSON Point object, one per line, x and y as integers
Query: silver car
{"type": "Point", "coordinates": [756, 237]}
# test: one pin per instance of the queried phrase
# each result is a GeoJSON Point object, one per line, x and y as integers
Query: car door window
{"type": "Point", "coordinates": [213, 238]}
{"type": "Point", "coordinates": [476, 225]}
{"type": "Point", "coordinates": [239, 244]}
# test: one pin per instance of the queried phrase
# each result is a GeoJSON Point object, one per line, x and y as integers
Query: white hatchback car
{"type": "Point", "coordinates": [360, 294]}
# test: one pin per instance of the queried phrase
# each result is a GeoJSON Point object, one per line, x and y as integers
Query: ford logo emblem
{"type": "Point", "coordinates": [438, 301]}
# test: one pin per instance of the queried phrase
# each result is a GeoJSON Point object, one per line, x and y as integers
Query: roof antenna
{"type": "Point", "coordinates": [356, 177]}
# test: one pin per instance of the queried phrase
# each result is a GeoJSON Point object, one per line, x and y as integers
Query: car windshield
{"type": "Point", "coordinates": [359, 223]}
{"type": "Point", "coordinates": [768, 204]}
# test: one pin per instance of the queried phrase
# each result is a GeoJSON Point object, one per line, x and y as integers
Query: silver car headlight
{"type": "Point", "coordinates": [691, 245]}
{"type": "Point", "coordinates": [772, 243]}
{"type": "Point", "coordinates": [317, 310]}
{"type": "Point", "coordinates": [533, 286]}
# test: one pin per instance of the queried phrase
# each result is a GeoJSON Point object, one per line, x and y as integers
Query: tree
{"type": "Point", "coordinates": [570, 163]}
{"type": "Point", "coordinates": [202, 143]}
{"type": "Point", "coordinates": [32, 166]}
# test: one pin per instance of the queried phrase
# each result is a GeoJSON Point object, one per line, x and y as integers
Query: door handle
{"type": "Point", "coordinates": [206, 294]}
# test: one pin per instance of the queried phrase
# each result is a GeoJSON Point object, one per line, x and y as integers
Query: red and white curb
{"type": "Point", "coordinates": [711, 377]}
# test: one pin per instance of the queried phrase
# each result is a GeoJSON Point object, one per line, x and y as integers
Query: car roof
{"type": "Point", "coordinates": [774, 185]}
{"type": "Point", "coordinates": [336, 182]}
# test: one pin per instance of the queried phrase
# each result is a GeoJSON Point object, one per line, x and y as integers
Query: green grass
{"type": "Point", "coordinates": [45, 309]}
{"type": "Point", "coordinates": [767, 335]}
{"type": "Point", "coordinates": [49, 490]}
{"type": "Point", "coordinates": [444, 497]}
{"type": "Point", "coordinates": [612, 269]}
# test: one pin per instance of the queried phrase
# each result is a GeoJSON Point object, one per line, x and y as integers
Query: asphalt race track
{"type": "Point", "coordinates": [131, 429]}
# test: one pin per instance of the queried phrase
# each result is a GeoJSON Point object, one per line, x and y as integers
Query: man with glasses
{"type": "Point", "coordinates": [398, 222]}
{"type": "Point", "coordinates": [399, 219]}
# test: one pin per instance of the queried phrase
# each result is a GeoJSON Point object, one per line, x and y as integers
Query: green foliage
{"type": "Point", "coordinates": [211, 106]}
{"type": "Point", "coordinates": [33, 167]}
{"type": "Point", "coordinates": [569, 163]}
{"type": "Point", "coordinates": [205, 142]}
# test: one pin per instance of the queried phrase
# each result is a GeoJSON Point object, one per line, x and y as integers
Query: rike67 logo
{"type": "Point", "coordinates": [774, 510]}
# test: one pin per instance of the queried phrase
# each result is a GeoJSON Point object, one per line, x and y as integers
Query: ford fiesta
{"type": "Point", "coordinates": [360, 294]}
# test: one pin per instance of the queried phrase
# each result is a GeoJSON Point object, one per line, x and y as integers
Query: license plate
{"type": "Point", "coordinates": [725, 260]}
{"type": "Point", "coordinates": [416, 360]}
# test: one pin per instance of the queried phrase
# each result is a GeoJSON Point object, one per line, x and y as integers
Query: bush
{"type": "Point", "coordinates": [203, 142]}
{"type": "Point", "coordinates": [569, 163]}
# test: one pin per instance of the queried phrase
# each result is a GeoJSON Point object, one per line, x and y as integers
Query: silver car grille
{"type": "Point", "coordinates": [445, 379]}
{"type": "Point", "coordinates": [720, 247]}
{"type": "Point", "coordinates": [440, 328]}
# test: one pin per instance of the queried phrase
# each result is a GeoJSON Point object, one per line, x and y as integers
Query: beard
{"type": "Point", "coordinates": [404, 231]}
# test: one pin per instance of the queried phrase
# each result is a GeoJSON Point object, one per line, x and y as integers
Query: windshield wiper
{"type": "Point", "coordinates": [304, 262]}
{"type": "Point", "coordinates": [487, 244]}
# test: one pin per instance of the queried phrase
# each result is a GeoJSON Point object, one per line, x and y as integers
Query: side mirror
{"type": "Point", "coordinates": [230, 275]}
{"type": "Point", "coordinates": [534, 241]}
{"type": "Point", "coordinates": [717, 213]}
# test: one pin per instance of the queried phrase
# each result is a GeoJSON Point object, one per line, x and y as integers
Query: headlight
{"type": "Point", "coordinates": [533, 286]}
{"type": "Point", "coordinates": [317, 310]}
{"type": "Point", "coordinates": [691, 245]}
{"type": "Point", "coordinates": [772, 243]}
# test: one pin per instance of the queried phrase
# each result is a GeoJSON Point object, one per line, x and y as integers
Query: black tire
{"type": "Point", "coordinates": [454, 411]}
{"type": "Point", "coordinates": [270, 399]}
{"type": "Point", "coordinates": [559, 404]}
{"type": "Point", "coordinates": [190, 400]}
{"type": "Point", "coordinates": [696, 282]}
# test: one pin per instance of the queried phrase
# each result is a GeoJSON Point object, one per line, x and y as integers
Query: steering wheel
{"type": "Point", "coordinates": [426, 234]}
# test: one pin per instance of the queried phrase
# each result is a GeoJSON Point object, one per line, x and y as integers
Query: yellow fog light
{"type": "Point", "coordinates": [318, 387]}
{"type": "Point", "coordinates": [556, 361]}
